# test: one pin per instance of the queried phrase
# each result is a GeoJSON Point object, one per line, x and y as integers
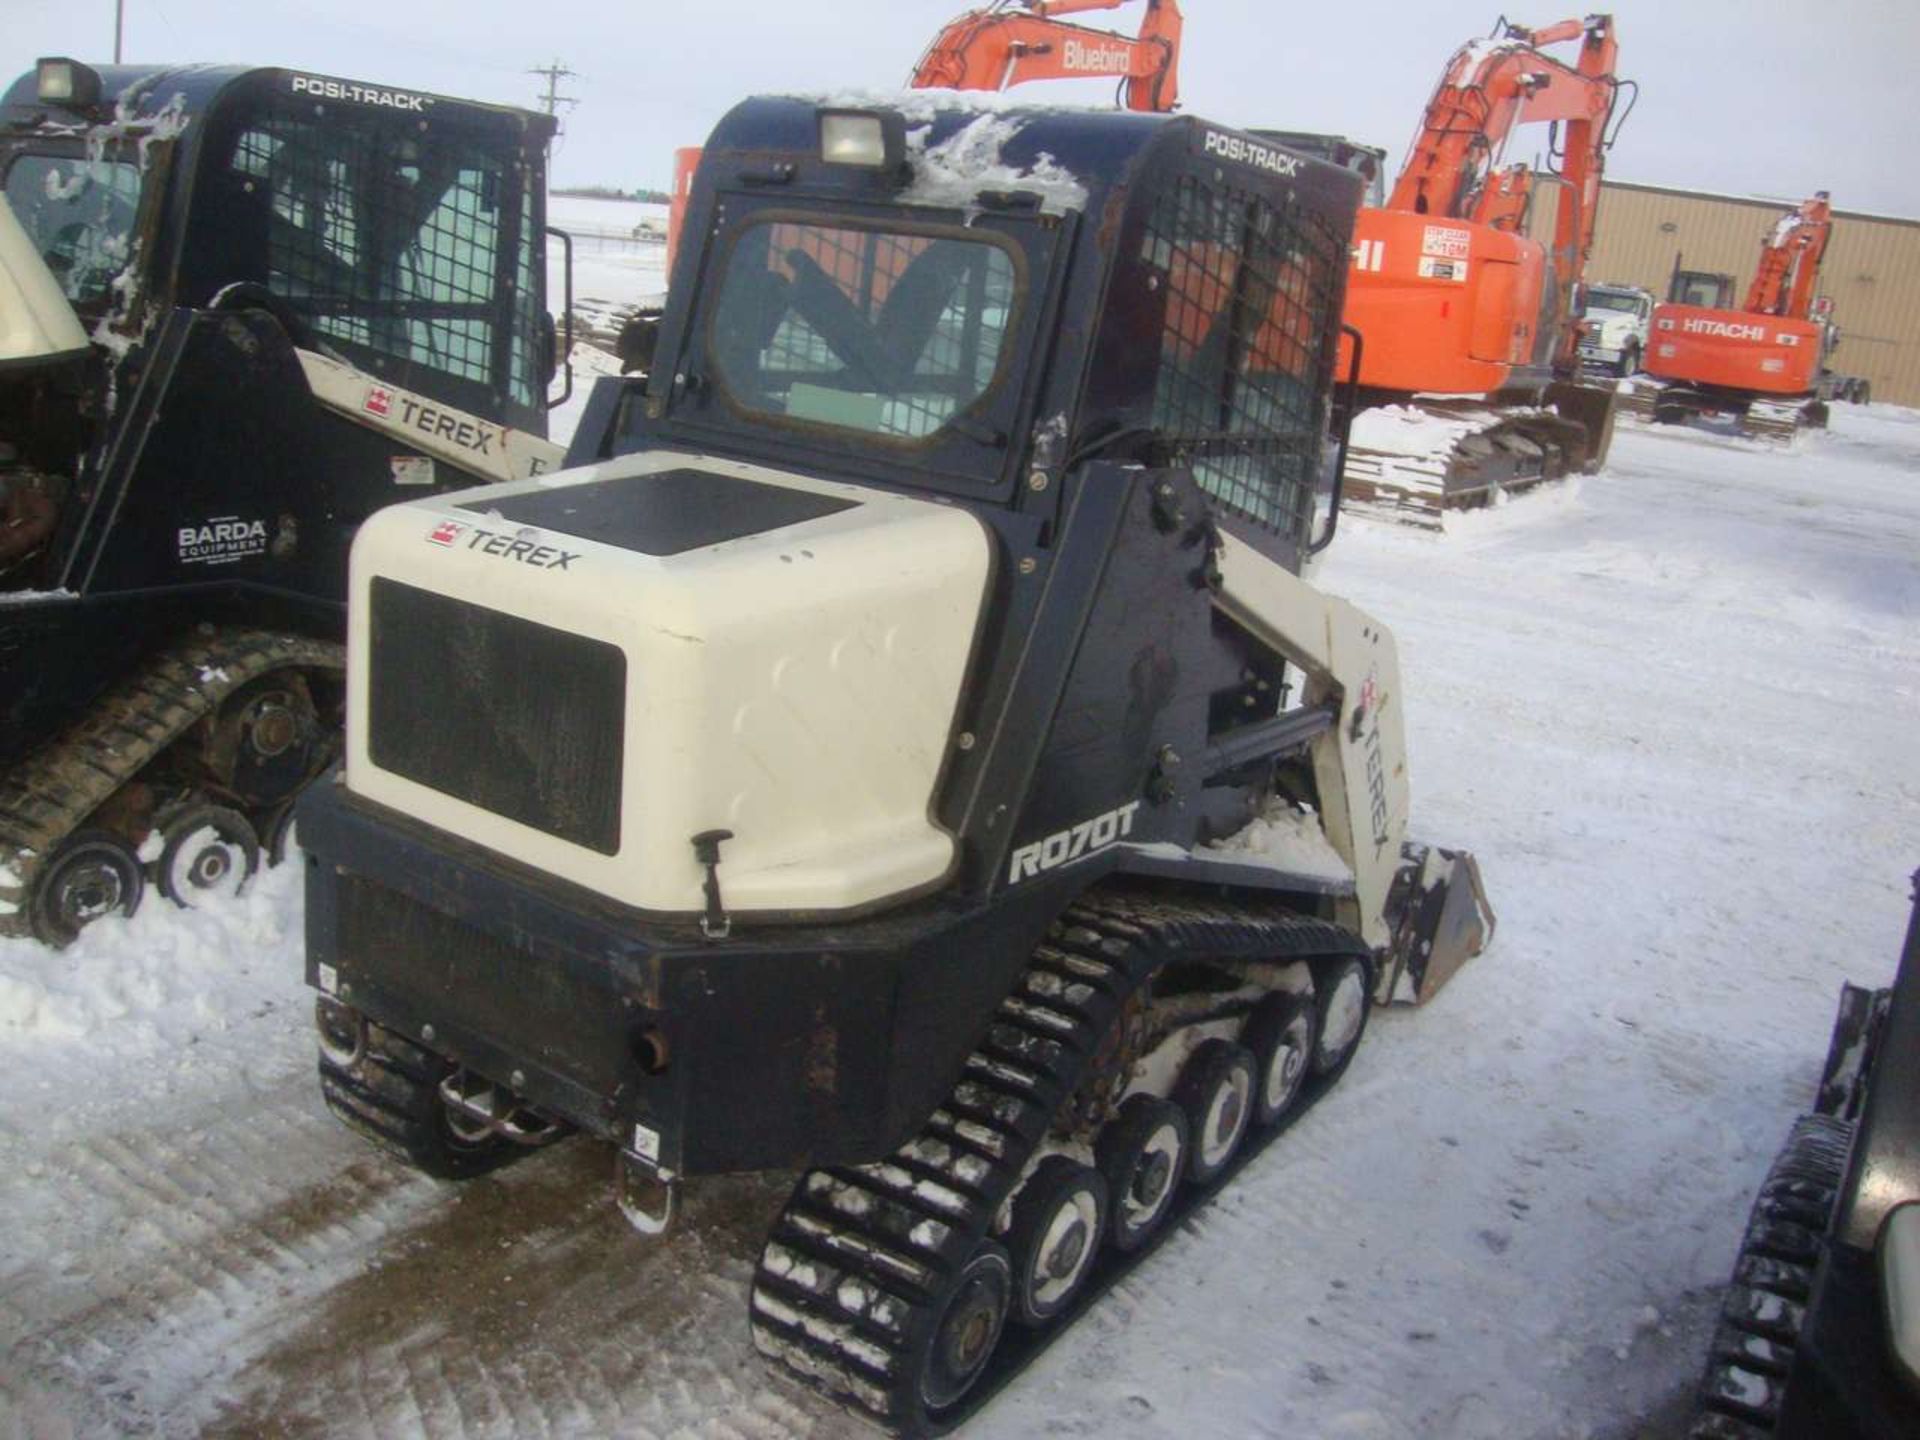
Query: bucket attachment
{"type": "Point", "coordinates": [1441, 920]}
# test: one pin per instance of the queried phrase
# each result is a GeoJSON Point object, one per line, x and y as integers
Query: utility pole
{"type": "Point", "coordinates": [119, 23]}
{"type": "Point", "coordinates": [554, 73]}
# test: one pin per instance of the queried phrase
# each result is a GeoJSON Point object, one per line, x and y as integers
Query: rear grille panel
{"type": "Point", "coordinates": [517, 718]}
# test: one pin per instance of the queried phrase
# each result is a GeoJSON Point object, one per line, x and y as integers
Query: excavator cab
{"type": "Point", "coordinates": [1701, 288]}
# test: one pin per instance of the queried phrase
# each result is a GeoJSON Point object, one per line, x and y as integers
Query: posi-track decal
{"type": "Point", "coordinates": [325, 89]}
{"type": "Point", "coordinates": [222, 540]}
{"type": "Point", "coordinates": [1247, 152]}
{"type": "Point", "coordinates": [1073, 842]}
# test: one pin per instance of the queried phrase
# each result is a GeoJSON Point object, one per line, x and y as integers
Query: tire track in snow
{"type": "Point", "coordinates": [526, 1305]}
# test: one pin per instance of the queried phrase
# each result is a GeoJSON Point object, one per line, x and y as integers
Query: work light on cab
{"type": "Point", "coordinates": [65, 82]}
{"type": "Point", "coordinates": [869, 139]}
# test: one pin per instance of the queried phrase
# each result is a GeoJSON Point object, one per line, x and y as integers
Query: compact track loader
{"type": "Point", "coordinates": [900, 744]}
{"type": "Point", "coordinates": [239, 310]}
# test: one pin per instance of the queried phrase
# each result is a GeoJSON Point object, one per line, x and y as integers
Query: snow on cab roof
{"type": "Point", "coordinates": [956, 169]}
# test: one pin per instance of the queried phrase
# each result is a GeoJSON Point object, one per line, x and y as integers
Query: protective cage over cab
{"type": "Point", "coordinates": [383, 222]}
{"type": "Point", "coordinates": [1003, 292]}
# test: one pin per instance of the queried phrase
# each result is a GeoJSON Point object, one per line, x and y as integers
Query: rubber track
{"type": "Point", "coordinates": [858, 1262]}
{"type": "Point", "coordinates": [48, 796]}
{"type": "Point", "coordinates": [1752, 1354]}
{"type": "Point", "coordinates": [392, 1097]}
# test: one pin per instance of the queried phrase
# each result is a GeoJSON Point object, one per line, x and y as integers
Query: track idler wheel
{"type": "Point", "coordinates": [1216, 1092]}
{"type": "Point", "coordinates": [93, 875]}
{"type": "Point", "coordinates": [209, 851]}
{"type": "Point", "coordinates": [963, 1335]}
{"type": "Point", "coordinates": [1059, 1218]}
{"type": "Point", "coordinates": [1281, 1034]}
{"type": "Point", "coordinates": [1142, 1153]}
{"type": "Point", "coordinates": [1340, 1002]}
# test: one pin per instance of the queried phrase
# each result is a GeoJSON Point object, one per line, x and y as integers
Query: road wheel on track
{"type": "Point", "coordinates": [1340, 1005]}
{"type": "Point", "coordinates": [1760, 1320]}
{"type": "Point", "coordinates": [1216, 1091]}
{"type": "Point", "coordinates": [964, 1333]}
{"type": "Point", "coordinates": [1142, 1154]}
{"type": "Point", "coordinates": [93, 875]}
{"type": "Point", "coordinates": [391, 1094]}
{"type": "Point", "coordinates": [1281, 1034]}
{"type": "Point", "coordinates": [1059, 1218]}
{"type": "Point", "coordinates": [210, 850]}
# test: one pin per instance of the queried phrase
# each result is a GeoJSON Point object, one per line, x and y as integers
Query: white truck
{"type": "Point", "coordinates": [1614, 338]}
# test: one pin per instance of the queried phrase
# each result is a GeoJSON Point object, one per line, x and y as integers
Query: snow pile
{"type": "Point", "coordinates": [162, 976]}
{"type": "Point", "coordinates": [1287, 838]}
{"type": "Point", "coordinates": [1416, 433]}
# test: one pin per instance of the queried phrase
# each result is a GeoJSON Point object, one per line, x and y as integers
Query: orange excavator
{"type": "Point", "coordinates": [1464, 284]}
{"type": "Point", "coordinates": [1013, 41]}
{"type": "Point", "coordinates": [1763, 363]}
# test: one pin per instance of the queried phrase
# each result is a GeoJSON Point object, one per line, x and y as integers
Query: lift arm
{"type": "Point", "coordinates": [1013, 41]}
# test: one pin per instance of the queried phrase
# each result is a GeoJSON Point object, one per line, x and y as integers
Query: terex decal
{"type": "Point", "coordinates": [1367, 714]}
{"type": "Point", "coordinates": [1073, 842]}
{"type": "Point", "coordinates": [455, 536]}
{"type": "Point", "coordinates": [222, 540]}
{"type": "Point", "coordinates": [379, 401]}
{"type": "Point", "coordinates": [474, 436]}
{"type": "Point", "coordinates": [1247, 152]}
{"type": "Point", "coordinates": [361, 94]}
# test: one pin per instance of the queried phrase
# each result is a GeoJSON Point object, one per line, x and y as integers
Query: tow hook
{"type": "Point", "coordinates": [647, 1194]}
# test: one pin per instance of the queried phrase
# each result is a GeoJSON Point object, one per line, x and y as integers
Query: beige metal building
{"type": "Point", "coordinates": [1872, 269]}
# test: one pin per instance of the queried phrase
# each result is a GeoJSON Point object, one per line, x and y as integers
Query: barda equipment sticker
{"type": "Point", "coordinates": [222, 540]}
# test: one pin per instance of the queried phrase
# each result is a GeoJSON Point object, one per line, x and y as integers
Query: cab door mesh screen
{"type": "Point", "coordinates": [390, 239]}
{"type": "Point", "coordinates": [1252, 294]}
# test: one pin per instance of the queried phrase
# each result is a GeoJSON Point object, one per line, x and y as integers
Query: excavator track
{"type": "Point", "coordinates": [1440, 458]}
{"type": "Point", "coordinates": [864, 1261]}
{"type": "Point", "coordinates": [46, 799]}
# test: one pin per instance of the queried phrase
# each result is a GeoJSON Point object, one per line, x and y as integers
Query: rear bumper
{"type": "Point", "coordinates": [782, 1046]}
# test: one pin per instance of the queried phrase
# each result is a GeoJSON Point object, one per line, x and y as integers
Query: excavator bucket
{"type": "Point", "coordinates": [1594, 408]}
{"type": "Point", "coordinates": [1441, 920]}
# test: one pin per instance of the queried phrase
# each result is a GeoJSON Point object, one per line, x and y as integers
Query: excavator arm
{"type": "Point", "coordinates": [1488, 88]}
{"type": "Point", "coordinates": [1013, 41]}
{"type": "Point", "coordinates": [1790, 261]}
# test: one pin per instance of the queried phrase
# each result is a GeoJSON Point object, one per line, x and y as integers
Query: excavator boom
{"type": "Point", "coordinates": [1790, 259]}
{"type": "Point", "coordinates": [1015, 41]}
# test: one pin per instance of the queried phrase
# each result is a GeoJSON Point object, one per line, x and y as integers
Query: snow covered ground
{"type": "Point", "coordinates": [1672, 708]}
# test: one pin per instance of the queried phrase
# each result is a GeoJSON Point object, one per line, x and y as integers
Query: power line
{"type": "Point", "coordinates": [554, 73]}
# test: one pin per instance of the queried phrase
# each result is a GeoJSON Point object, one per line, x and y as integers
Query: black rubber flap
{"type": "Point", "coordinates": [665, 513]}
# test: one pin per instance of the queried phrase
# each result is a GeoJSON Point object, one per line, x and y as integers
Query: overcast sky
{"type": "Point", "coordinates": [1766, 97]}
